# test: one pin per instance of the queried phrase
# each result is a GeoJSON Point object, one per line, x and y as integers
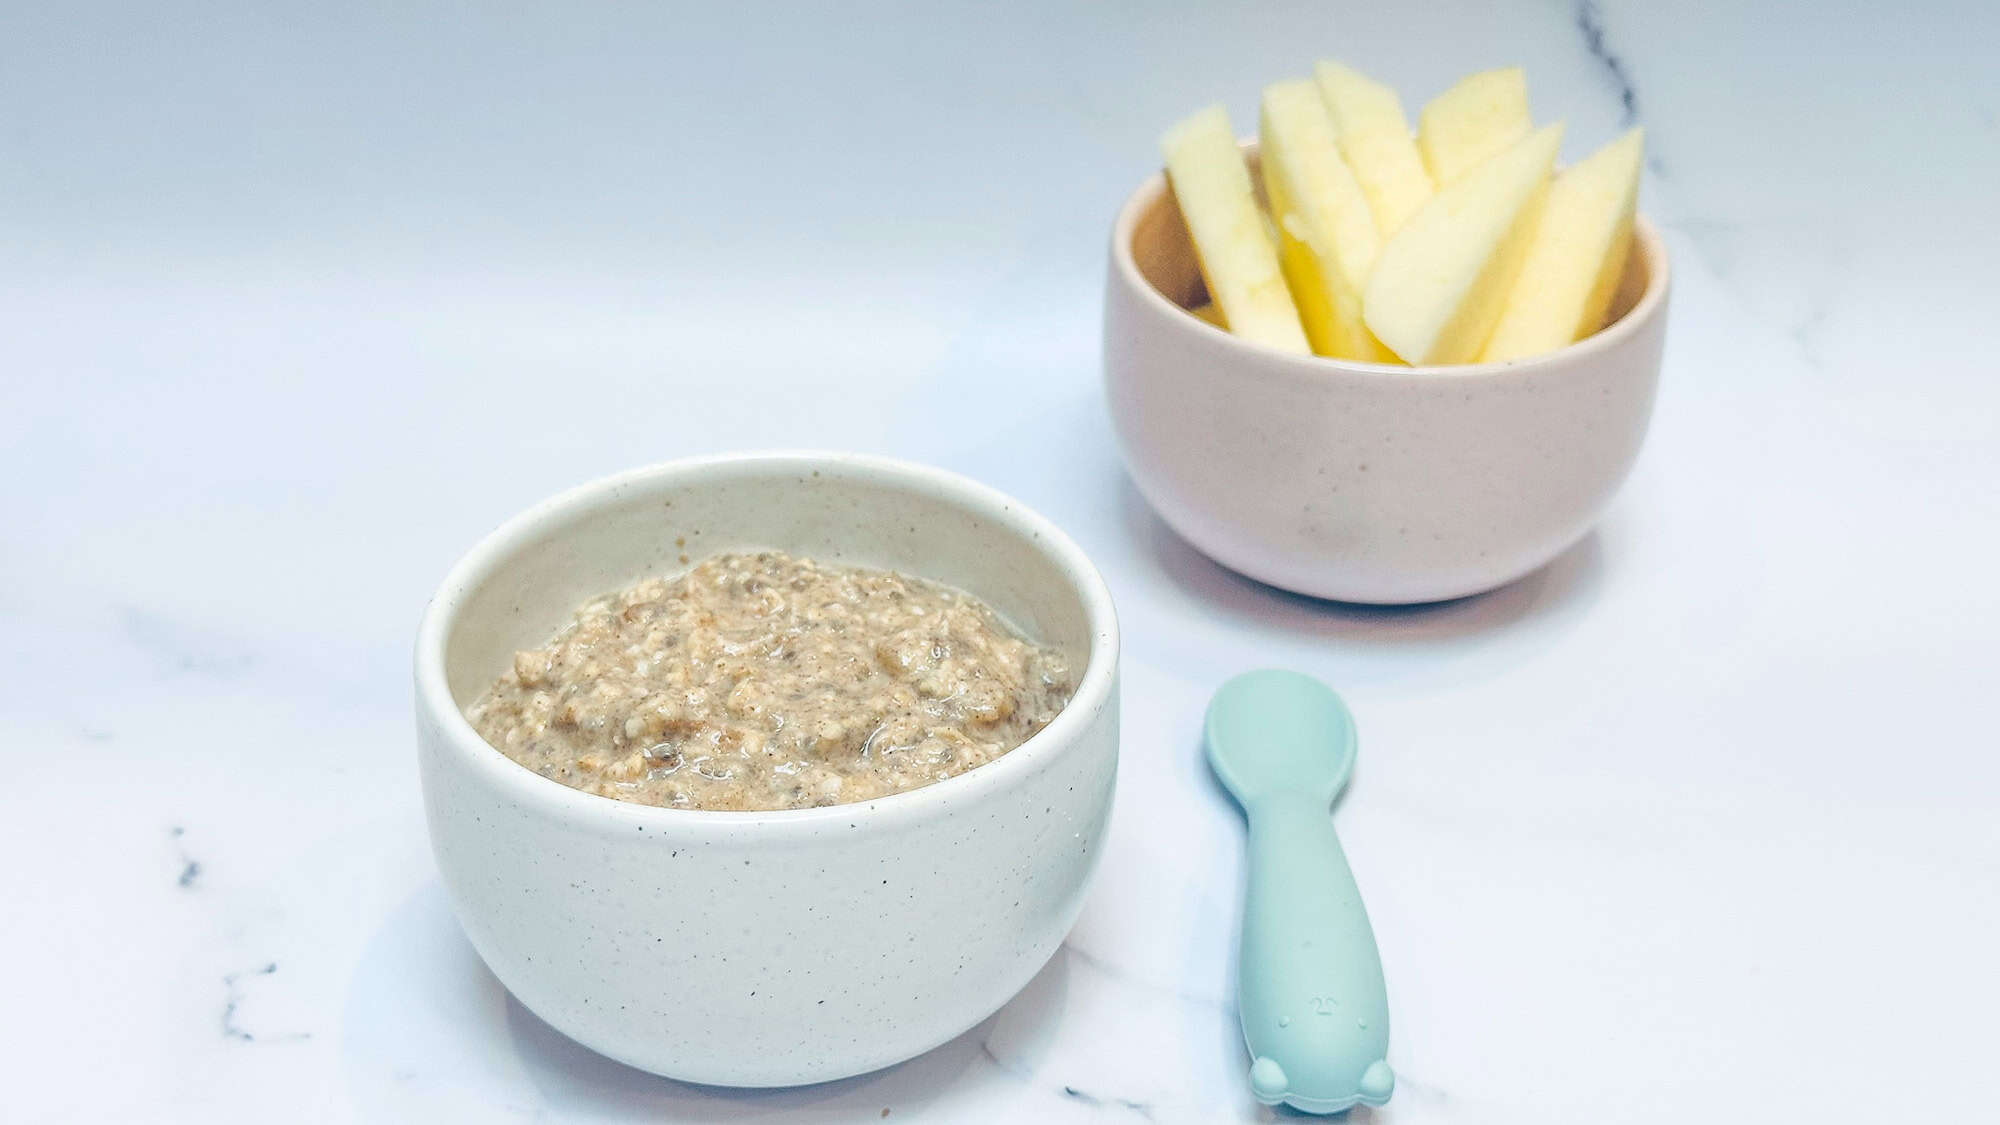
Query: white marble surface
{"type": "Point", "coordinates": [1699, 823]}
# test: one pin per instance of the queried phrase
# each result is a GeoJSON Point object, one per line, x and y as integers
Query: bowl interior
{"type": "Point", "coordinates": [1163, 252]}
{"type": "Point", "coordinates": [526, 582]}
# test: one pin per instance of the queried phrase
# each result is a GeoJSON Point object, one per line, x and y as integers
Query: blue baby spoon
{"type": "Point", "coordinates": [1309, 980]}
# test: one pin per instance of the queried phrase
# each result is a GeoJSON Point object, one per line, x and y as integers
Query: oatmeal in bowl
{"type": "Point", "coordinates": [767, 681]}
{"type": "Point", "coordinates": [768, 769]}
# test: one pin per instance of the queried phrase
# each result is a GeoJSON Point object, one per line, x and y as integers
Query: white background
{"type": "Point", "coordinates": [1700, 822]}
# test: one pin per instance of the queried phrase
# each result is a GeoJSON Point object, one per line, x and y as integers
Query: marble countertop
{"type": "Point", "coordinates": [1702, 821]}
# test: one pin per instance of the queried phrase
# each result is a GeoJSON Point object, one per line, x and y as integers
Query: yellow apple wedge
{"type": "Point", "coordinates": [1327, 240]}
{"type": "Point", "coordinates": [1578, 255]}
{"type": "Point", "coordinates": [1374, 138]}
{"type": "Point", "coordinates": [1232, 244]}
{"type": "Point", "coordinates": [1441, 281]}
{"type": "Point", "coordinates": [1481, 116]}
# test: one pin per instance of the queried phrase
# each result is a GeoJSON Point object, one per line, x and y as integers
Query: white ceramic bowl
{"type": "Point", "coordinates": [763, 949]}
{"type": "Point", "coordinates": [1359, 481]}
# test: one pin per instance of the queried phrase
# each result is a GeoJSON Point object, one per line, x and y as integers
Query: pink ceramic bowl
{"type": "Point", "coordinates": [1359, 481]}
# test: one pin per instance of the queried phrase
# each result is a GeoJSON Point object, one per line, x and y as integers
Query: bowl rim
{"type": "Point", "coordinates": [1646, 237]}
{"type": "Point", "coordinates": [1094, 689]}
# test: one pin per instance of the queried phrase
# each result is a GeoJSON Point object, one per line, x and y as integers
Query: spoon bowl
{"type": "Point", "coordinates": [1276, 731]}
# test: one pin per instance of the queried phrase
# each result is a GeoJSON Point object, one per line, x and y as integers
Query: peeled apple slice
{"type": "Point", "coordinates": [1440, 284]}
{"type": "Point", "coordinates": [1578, 255]}
{"type": "Point", "coordinates": [1231, 242]}
{"type": "Point", "coordinates": [1327, 240]}
{"type": "Point", "coordinates": [1481, 116]}
{"type": "Point", "coordinates": [1374, 139]}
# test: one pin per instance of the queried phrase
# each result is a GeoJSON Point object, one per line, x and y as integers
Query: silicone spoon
{"type": "Point", "coordinates": [1309, 980]}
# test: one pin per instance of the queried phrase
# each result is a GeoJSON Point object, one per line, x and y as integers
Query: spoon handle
{"type": "Point", "coordinates": [1309, 979]}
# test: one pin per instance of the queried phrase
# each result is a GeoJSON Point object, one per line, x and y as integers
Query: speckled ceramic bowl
{"type": "Point", "coordinates": [1359, 481]}
{"type": "Point", "coordinates": [765, 949]}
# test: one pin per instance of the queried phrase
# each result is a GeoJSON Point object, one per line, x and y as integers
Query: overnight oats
{"type": "Point", "coordinates": [768, 681]}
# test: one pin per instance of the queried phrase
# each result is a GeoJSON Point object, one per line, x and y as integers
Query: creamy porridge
{"type": "Point", "coordinates": [767, 681]}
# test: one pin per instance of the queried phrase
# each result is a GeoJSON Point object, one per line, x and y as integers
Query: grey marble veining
{"type": "Point", "coordinates": [1590, 25]}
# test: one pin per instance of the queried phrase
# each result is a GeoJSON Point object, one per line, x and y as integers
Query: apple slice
{"type": "Point", "coordinates": [1481, 116]}
{"type": "Point", "coordinates": [1374, 138]}
{"type": "Point", "coordinates": [1578, 255]}
{"type": "Point", "coordinates": [1232, 244]}
{"type": "Point", "coordinates": [1327, 240]}
{"type": "Point", "coordinates": [1440, 283]}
